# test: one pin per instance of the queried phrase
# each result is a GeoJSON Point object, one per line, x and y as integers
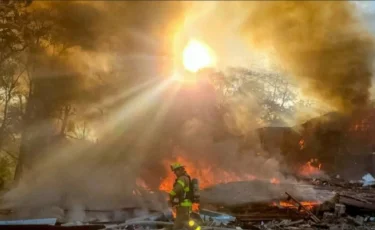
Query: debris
{"type": "Point", "coordinates": [153, 217]}
{"type": "Point", "coordinates": [300, 206]}
{"type": "Point", "coordinates": [216, 218]}
{"type": "Point", "coordinates": [51, 227]}
{"type": "Point", "coordinates": [328, 217]}
{"type": "Point", "coordinates": [294, 223]}
{"type": "Point", "coordinates": [46, 221]}
{"type": "Point", "coordinates": [359, 220]}
{"type": "Point", "coordinates": [368, 180]}
{"type": "Point", "coordinates": [321, 226]}
{"type": "Point", "coordinates": [152, 223]}
{"type": "Point", "coordinates": [339, 210]}
{"type": "Point", "coordinates": [75, 223]}
{"type": "Point", "coordinates": [346, 207]}
{"type": "Point", "coordinates": [356, 202]}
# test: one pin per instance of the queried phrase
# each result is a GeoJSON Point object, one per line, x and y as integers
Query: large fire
{"type": "Point", "coordinates": [207, 175]}
{"type": "Point", "coordinates": [311, 168]}
{"type": "Point", "coordinates": [211, 175]}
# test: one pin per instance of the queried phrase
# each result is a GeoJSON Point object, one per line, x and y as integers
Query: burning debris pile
{"type": "Point", "coordinates": [337, 204]}
{"type": "Point", "coordinates": [309, 204]}
{"type": "Point", "coordinates": [311, 168]}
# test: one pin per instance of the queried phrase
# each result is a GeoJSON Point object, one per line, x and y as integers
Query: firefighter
{"type": "Point", "coordinates": [178, 196]}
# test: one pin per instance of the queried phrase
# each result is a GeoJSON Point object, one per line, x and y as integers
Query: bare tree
{"type": "Point", "coordinates": [49, 98]}
{"type": "Point", "coordinates": [13, 19]}
{"type": "Point", "coordinates": [273, 92]}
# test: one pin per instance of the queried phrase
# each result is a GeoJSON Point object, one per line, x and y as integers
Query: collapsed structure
{"type": "Point", "coordinates": [329, 204]}
{"type": "Point", "coordinates": [306, 198]}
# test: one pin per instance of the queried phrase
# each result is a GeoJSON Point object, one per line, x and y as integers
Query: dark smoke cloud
{"type": "Point", "coordinates": [125, 43]}
{"type": "Point", "coordinates": [320, 43]}
{"type": "Point", "coordinates": [112, 48]}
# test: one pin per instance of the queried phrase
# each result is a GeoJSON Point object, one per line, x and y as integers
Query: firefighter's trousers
{"type": "Point", "coordinates": [182, 217]}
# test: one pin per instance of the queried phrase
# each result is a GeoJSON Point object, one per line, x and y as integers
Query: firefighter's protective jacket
{"type": "Point", "coordinates": [180, 189]}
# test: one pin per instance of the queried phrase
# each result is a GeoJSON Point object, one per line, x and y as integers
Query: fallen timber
{"type": "Point", "coordinates": [359, 202]}
{"type": "Point", "coordinates": [300, 206]}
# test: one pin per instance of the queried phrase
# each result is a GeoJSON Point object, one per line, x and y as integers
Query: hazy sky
{"type": "Point", "coordinates": [368, 9]}
{"type": "Point", "coordinates": [225, 40]}
{"type": "Point", "coordinates": [366, 6]}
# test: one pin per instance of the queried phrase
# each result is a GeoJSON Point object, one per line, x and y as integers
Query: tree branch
{"type": "Point", "coordinates": [10, 154]}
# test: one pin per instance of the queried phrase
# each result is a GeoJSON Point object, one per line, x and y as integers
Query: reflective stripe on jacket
{"type": "Point", "coordinates": [180, 188]}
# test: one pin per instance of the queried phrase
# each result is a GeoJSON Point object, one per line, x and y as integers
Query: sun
{"type": "Point", "coordinates": [196, 56]}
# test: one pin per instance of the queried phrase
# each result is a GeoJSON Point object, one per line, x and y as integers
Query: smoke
{"type": "Point", "coordinates": [116, 57]}
{"type": "Point", "coordinates": [109, 57]}
{"type": "Point", "coordinates": [320, 43]}
{"type": "Point", "coordinates": [245, 192]}
{"type": "Point", "coordinates": [244, 114]}
{"type": "Point", "coordinates": [78, 177]}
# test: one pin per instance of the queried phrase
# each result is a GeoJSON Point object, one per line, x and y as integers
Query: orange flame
{"type": "Point", "coordinates": [307, 204]}
{"type": "Point", "coordinates": [361, 125]}
{"type": "Point", "coordinates": [195, 207]}
{"type": "Point", "coordinates": [207, 175]}
{"type": "Point", "coordinates": [312, 167]}
{"type": "Point", "coordinates": [301, 144]}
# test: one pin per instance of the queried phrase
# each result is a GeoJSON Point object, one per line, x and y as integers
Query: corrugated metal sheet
{"type": "Point", "coordinates": [47, 221]}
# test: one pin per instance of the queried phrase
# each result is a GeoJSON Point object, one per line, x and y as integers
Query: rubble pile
{"type": "Point", "coordinates": [312, 203]}
{"type": "Point", "coordinates": [338, 205]}
{"type": "Point", "coordinates": [351, 207]}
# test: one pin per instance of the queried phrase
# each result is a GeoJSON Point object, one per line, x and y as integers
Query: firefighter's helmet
{"type": "Point", "coordinates": [175, 166]}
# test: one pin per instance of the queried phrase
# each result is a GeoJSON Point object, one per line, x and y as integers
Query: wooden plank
{"type": "Point", "coordinates": [356, 203]}
{"type": "Point", "coordinates": [300, 206]}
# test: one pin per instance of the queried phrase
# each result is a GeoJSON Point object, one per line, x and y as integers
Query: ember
{"type": "Point", "coordinates": [361, 125]}
{"type": "Point", "coordinates": [312, 167]}
{"type": "Point", "coordinates": [301, 144]}
{"type": "Point", "coordinates": [307, 204]}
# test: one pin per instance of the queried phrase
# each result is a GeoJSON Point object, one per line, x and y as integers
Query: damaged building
{"type": "Point", "coordinates": [343, 144]}
{"type": "Point", "coordinates": [296, 202]}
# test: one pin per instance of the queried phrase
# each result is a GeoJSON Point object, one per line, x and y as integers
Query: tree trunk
{"type": "Point", "coordinates": [23, 149]}
{"type": "Point", "coordinates": [5, 118]}
{"type": "Point", "coordinates": [65, 119]}
{"type": "Point", "coordinates": [26, 120]}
